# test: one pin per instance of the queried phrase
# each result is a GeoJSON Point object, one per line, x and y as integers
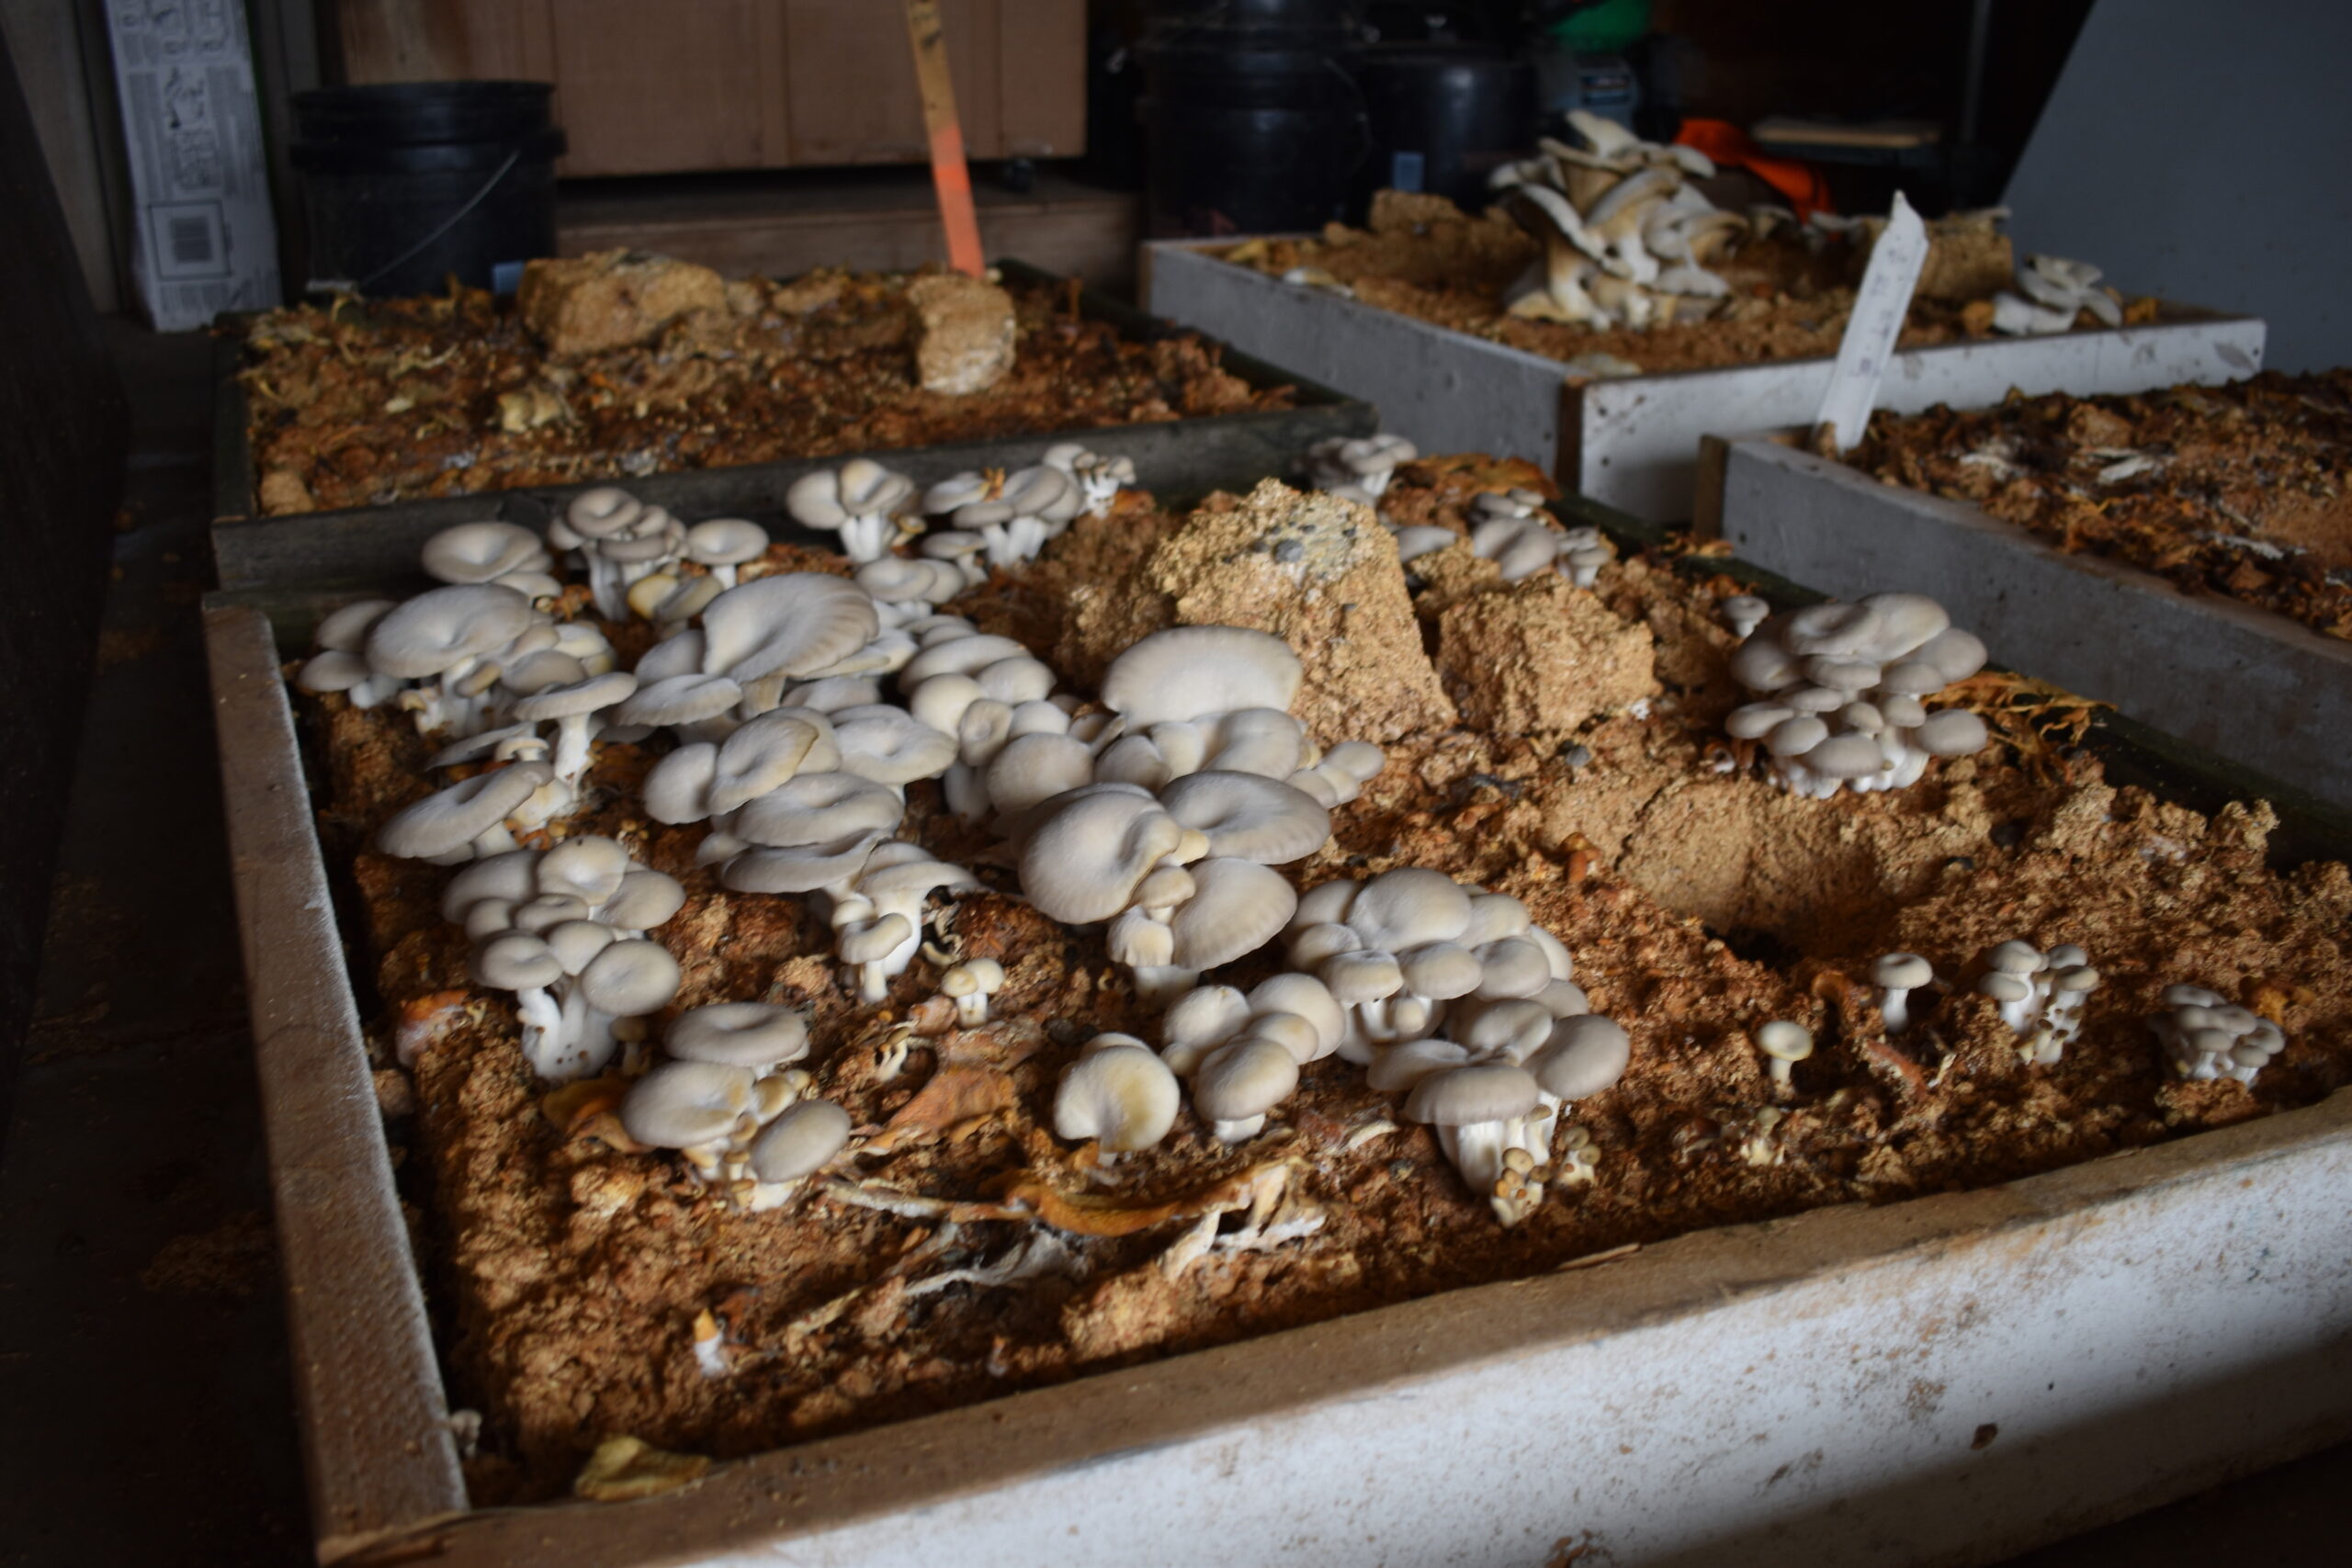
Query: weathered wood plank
{"type": "Point", "coordinates": [374, 1419]}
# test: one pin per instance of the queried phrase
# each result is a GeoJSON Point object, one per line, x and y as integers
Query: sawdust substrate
{"type": "Point", "coordinates": [2247, 491]}
{"type": "Point", "coordinates": [400, 400]}
{"type": "Point", "coordinates": [568, 1271]}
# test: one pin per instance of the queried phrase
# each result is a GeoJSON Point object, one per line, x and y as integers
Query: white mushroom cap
{"type": "Point", "coordinates": [966, 655]}
{"type": "Point", "coordinates": [1443, 970]}
{"type": "Point", "coordinates": [1239, 907]}
{"type": "Point", "coordinates": [589, 867]}
{"type": "Point", "coordinates": [1355, 978]}
{"type": "Point", "coordinates": [800, 1140]}
{"type": "Point", "coordinates": [1477, 1092]}
{"type": "Point", "coordinates": [606, 510]}
{"type": "Point", "coordinates": [480, 552]}
{"type": "Point", "coordinates": [1785, 1040]}
{"type": "Point", "coordinates": [1121, 1095]}
{"type": "Point", "coordinates": [447, 822]}
{"type": "Point", "coordinates": [1494, 916]}
{"type": "Point", "coordinates": [644, 899]}
{"type": "Point", "coordinates": [828, 498]}
{"type": "Point", "coordinates": [1198, 1022]}
{"type": "Point", "coordinates": [1305, 996]}
{"type": "Point", "coordinates": [1584, 1055]}
{"type": "Point", "coordinates": [1397, 1069]}
{"type": "Point", "coordinates": [683, 1105]}
{"type": "Point", "coordinates": [726, 541]}
{"type": "Point", "coordinates": [513, 876]}
{"type": "Point", "coordinates": [1796, 737]}
{"type": "Point", "coordinates": [1951, 732]}
{"type": "Point", "coordinates": [758, 1035]}
{"type": "Point", "coordinates": [1832, 627]}
{"type": "Point", "coordinates": [817, 808]}
{"type": "Point", "coordinates": [793, 624]}
{"type": "Point", "coordinates": [630, 977]}
{"type": "Point", "coordinates": [1246, 1078]}
{"type": "Point", "coordinates": [1515, 1027]}
{"type": "Point", "coordinates": [1900, 971]}
{"type": "Point", "coordinates": [2016, 957]}
{"type": "Point", "coordinates": [344, 630]}
{"type": "Point", "coordinates": [1957, 654]}
{"type": "Point", "coordinates": [1247, 816]}
{"type": "Point", "coordinates": [1848, 756]}
{"type": "Point", "coordinates": [516, 961]}
{"type": "Point", "coordinates": [1512, 966]}
{"type": "Point", "coordinates": [2003, 986]}
{"type": "Point", "coordinates": [769, 752]}
{"type": "Point", "coordinates": [1408, 908]}
{"type": "Point", "coordinates": [890, 745]}
{"type": "Point", "coordinates": [1189, 673]}
{"type": "Point", "coordinates": [578, 697]}
{"type": "Point", "coordinates": [442, 628]}
{"type": "Point", "coordinates": [1032, 769]}
{"type": "Point", "coordinates": [1085, 859]}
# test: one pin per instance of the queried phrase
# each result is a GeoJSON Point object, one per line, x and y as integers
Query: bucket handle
{"type": "Point", "coordinates": [425, 244]}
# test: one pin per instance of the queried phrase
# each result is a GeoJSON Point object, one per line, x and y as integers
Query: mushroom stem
{"type": "Point", "coordinates": [493, 840]}
{"type": "Point", "coordinates": [1893, 1008]}
{"type": "Point", "coordinates": [1162, 982]}
{"type": "Point", "coordinates": [1238, 1132]}
{"type": "Point", "coordinates": [866, 537]}
{"type": "Point", "coordinates": [573, 731]}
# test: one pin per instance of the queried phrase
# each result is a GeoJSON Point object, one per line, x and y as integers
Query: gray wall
{"type": "Point", "coordinates": [2197, 151]}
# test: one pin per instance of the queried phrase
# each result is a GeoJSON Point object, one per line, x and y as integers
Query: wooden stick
{"type": "Point", "coordinates": [948, 173]}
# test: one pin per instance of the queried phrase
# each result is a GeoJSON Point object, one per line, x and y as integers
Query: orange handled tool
{"type": "Point", "coordinates": [948, 173]}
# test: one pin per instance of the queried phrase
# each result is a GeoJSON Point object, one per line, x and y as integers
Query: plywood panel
{"type": "Point", "coordinates": [403, 41]}
{"type": "Point", "coordinates": [853, 79]}
{"type": "Point", "coordinates": [654, 88]}
{"type": "Point", "coordinates": [1041, 78]}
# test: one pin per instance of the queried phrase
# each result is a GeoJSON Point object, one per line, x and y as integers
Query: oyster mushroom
{"type": "Point", "coordinates": [860, 501]}
{"type": "Point", "coordinates": [1117, 1093]}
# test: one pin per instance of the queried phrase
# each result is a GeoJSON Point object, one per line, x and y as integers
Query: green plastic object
{"type": "Point", "coordinates": [1610, 27]}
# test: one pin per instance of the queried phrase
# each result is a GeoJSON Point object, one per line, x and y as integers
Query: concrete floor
{"type": "Point", "coordinates": [143, 1369]}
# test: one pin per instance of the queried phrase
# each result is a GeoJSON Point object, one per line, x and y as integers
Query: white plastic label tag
{"type": "Point", "coordinates": [1877, 322]}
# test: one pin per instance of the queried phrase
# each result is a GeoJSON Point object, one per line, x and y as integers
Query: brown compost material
{"type": "Point", "coordinates": [958, 1250]}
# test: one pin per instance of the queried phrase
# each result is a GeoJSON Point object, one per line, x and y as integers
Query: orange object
{"type": "Point", "coordinates": [1807, 192]}
{"type": "Point", "coordinates": [949, 175]}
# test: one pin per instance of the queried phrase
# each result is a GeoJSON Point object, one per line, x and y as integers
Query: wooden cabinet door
{"type": "Point", "coordinates": [660, 87]}
{"type": "Point", "coordinates": [851, 86]}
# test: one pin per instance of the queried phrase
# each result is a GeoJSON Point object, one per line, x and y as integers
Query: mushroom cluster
{"type": "Point", "coordinates": [564, 929]}
{"type": "Point", "coordinates": [2205, 1036]}
{"type": "Point", "coordinates": [1357, 467]}
{"type": "Point", "coordinates": [1099, 478]}
{"type": "Point", "coordinates": [1448, 996]}
{"type": "Point", "coordinates": [2051, 293]}
{"type": "Point", "coordinates": [1626, 239]}
{"type": "Point", "coordinates": [1844, 688]}
{"type": "Point", "coordinates": [2041, 995]}
{"type": "Point", "coordinates": [731, 1101]}
{"type": "Point", "coordinates": [1168, 825]}
{"type": "Point", "coordinates": [1013, 516]}
{"type": "Point", "coordinates": [1512, 529]}
{"type": "Point", "coordinates": [862, 501]}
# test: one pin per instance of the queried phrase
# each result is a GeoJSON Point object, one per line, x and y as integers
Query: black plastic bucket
{"type": "Point", "coordinates": [1252, 122]}
{"type": "Point", "coordinates": [410, 182]}
{"type": "Point", "coordinates": [1443, 118]}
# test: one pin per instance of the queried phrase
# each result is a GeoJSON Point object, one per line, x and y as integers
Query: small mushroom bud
{"type": "Point", "coordinates": [1119, 1094]}
{"type": "Point", "coordinates": [1786, 1043]}
{"type": "Point", "coordinates": [1745, 612]}
{"type": "Point", "coordinates": [1897, 974]}
{"type": "Point", "coordinates": [971, 984]}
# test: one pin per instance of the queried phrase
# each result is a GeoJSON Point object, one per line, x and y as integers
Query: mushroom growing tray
{"type": "Point", "coordinates": [1946, 1379]}
{"type": "Point", "coordinates": [2236, 680]}
{"type": "Point", "coordinates": [1632, 442]}
{"type": "Point", "coordinates": [1176, 458]}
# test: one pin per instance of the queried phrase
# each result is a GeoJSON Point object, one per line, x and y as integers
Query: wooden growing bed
{"type": "Point", "coordinates": [1948, 1379]}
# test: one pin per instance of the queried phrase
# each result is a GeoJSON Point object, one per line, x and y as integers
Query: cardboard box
{"type": "Point", "coordinates": [203, 238]}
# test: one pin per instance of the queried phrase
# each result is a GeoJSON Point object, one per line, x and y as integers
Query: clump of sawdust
{"type": "Point", "coordinates": [1320, 572]}
{"type": "Point", "coordinates": [1541, 656]}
